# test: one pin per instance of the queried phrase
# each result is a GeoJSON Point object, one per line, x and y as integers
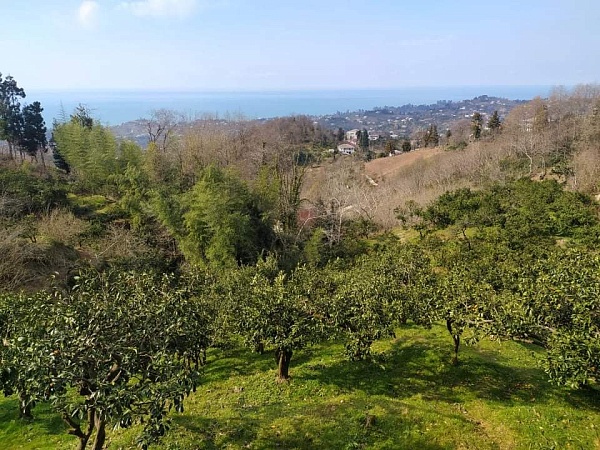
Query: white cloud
{"type": "Point", "coordinates": [160, 8]}
{"type": "Point", "coordinates": [87, 13]}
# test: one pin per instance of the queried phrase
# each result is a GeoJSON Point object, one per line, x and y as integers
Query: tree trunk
{"type": "Point", "coordinates": [530, 163]}
{"type": "Point", "coordinates": [284, 358]}
{"type": "Point", "coordinates": [83, 440]}
{"type": "Point", "coordinates": [24, 406]}
{"type": "Point", "coordinates": [100, 433]}
{"type": "Point", "coordinates": [456, 339]}
{"type": "Point", "coordinates": [76, 428]}
{"type": "Point", "coordinates": [259, 347]}
{"type": "Point", "coordinates": [43, 160]}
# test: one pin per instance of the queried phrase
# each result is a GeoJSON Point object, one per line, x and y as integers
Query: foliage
{"type": "Point", "coordinates": [523, 211]}
{"type": "Point", "coordinates": [390, 147]}
{"type": "Point", "coordinates": [11, 119]}
{"type": "Point", "coordinates": [218, 221]}
{"type": "Point", "coordinates": [113, 350]}
{"type": "Point", "coordinates": [22, 193]}
{"type": "Point", "coordinates": [33, 138]}
{"type": "Point", "coordinates": [135, 192]}
{"type": "Point", "coordinates": [512, 260]}
{"type": "Point", "coordinates": [476, 125]}
{"type": "Point", "coordinates": [59, 160]}
{"type": "Point", "coordinates": [381, 290]}
{"type": "Point", "coordinates": [431, 137]}
{"type": "Point", "coordinates": [92, 152]}
{"type": "Point", "coordinates": [268, 307]}
{"type": "Point", "coordinates": [494, 122]}
{"type": "Point", "coordinates": [468, 296]}
{"type": "Point", "coordinates": [364, 144]}
{"type": "Point", "coordinates": [560, 305]}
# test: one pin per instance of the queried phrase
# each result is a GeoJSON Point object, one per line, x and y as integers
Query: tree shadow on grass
{"type": "Point", "coordinates": [586, 397]}
{"type": "Point", "coordinates": [298, 441]}
{"type": "Point", "coordinates": [412, 368]}
{"type": "Point", "coordinates": [44, 418]}
{"type": "Point", "coordinates": [222, 364]}
{"type": "Point", "coordinates": [293, 431]}
{"type": "Point", "coordinates": [218, 434]}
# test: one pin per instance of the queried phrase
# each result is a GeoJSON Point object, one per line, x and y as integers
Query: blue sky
{"type": "Point", "coordinates": [306, 44]}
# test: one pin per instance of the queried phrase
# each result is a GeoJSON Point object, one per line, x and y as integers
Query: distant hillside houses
{"type": "Point", "coordinates": [352, 135]}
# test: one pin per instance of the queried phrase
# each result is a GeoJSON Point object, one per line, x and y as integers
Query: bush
{"type": "Point", "coordinates": [23, 193]}
{"type": "Point", "coordinates": [61, 226]}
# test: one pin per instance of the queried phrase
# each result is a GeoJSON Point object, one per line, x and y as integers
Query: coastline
{"type": "Point", "coordinates": [114, 107]}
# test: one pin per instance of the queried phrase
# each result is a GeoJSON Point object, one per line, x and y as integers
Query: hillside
{"type": "Point", "coordinates": [133, 278]}
{"type": "Point", "coordinates": [382, 168]}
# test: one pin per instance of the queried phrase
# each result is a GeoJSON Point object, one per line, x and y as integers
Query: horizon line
{"type": "Point", "coordinates": [307, 89]}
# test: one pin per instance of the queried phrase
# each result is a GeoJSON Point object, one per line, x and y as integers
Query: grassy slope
{"type": "Point", "coordinates": [382, 168]}
{"type": "Point", "coordinates": [409, 398]}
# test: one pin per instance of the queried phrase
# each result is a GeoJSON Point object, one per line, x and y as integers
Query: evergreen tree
{"type": "Point", "coordinates": [434, 136]}
{"type": "Point", "coordinates": [13, 128]}
{"type": "Point", "coordinates": [494, 122]}
{"type": "Point", "coordinates": [390, 146]}
{"type": "Point", "coordinates": [218, 222]}
{"type": "Point", "coordinates": [363, 140]}
{"type": "Point", "coordinates": [476, 125]}
{"type": "Point", "coordinates": [34, 130]}
{"type": "Point", "coordinates": [427, 136]}
{"type": "Point", "coordinates": [59, 161]}
{"type": "Point", "coordinates": [11, 119]}
{"type": "Point", "coordinates": [82, 116]}
{"type": "Point", "coordinates": [406, 147]}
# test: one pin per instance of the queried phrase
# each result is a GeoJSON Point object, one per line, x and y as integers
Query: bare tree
{"type": "Point", "coordinates": [162, 126]}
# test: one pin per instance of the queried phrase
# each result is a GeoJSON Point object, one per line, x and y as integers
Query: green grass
{"type": "Point", "coordinates": [46, 431]}
{"type": "Point", "coordinates": [92, 206]}
{"type": "Point", "coordinates": [409, 397]}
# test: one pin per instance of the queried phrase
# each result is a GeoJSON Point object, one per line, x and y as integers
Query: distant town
{"type": "Point", "coordinates": [382, 123]}
{"type": "Point", "coordinates": [398, 122]}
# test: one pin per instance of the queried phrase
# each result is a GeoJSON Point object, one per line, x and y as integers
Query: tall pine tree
{"type": "Point", "coordinates": [494, 122]}
{"type": "Point", "coordinates": [11, 119]}
{"type": "Point", "coordinates": [34, 138]}
{"type": "Point", "coordinates": [476, 125]}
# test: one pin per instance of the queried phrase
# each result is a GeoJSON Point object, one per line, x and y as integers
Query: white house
{"type": "Point", "coordinates": [352, 135]}
{"type": "Point", "coordinates": [346, 149]}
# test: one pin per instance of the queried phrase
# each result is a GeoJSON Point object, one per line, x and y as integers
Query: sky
{"type": "Point", "coordinates": [294, 45]}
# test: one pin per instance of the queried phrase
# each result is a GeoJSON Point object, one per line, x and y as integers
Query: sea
{"type": "Point", "coordinates": [114, 107]}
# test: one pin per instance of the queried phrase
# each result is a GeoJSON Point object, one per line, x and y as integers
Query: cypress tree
{"type": "Point", "coordinates": [34, 130]}
{"type": "Point", "coordinates": [494, 122]}
{"type": "Point", "coordinates": [476, 123]}
{"type": "Point", "coordinates": [434, 137]}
